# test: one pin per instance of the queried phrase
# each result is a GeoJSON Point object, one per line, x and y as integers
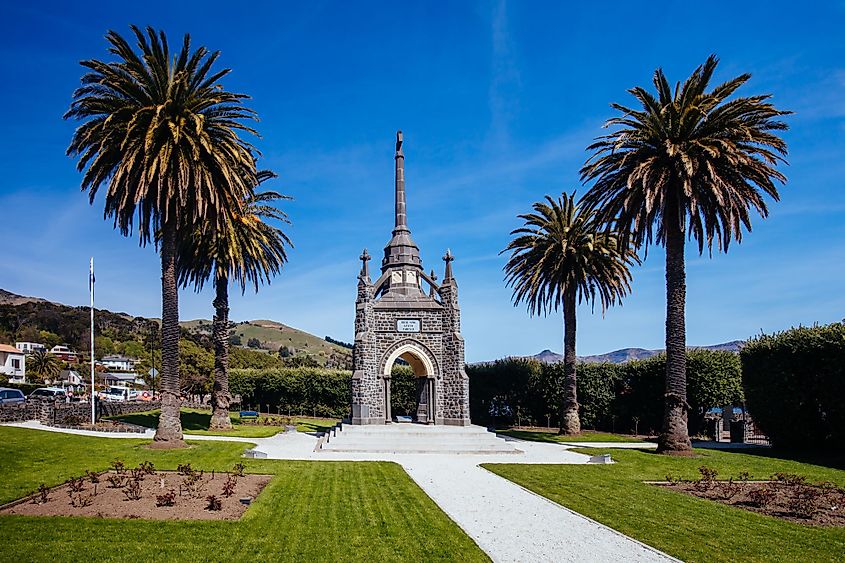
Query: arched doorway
{"type": "Point", "coordinates": [424, 370]}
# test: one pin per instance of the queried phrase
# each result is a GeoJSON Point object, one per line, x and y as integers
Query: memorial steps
{"type": "Point", "coordinates": [406, 438]}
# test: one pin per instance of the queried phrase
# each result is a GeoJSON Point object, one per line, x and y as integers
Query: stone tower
{"type": "Point", "coordinates": [395, 318]}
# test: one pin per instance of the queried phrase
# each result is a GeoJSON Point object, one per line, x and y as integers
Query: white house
{"type": "Point", "coordinates": [64, 353]}
{"type": "Point", "coordinates": [30, 347]}
{"type": "Point", "coordinates": [69, 377]}
{"type": "Point", "coordinates": [12, 363]}
{"type": "Point", "coordinates": [121, 363]}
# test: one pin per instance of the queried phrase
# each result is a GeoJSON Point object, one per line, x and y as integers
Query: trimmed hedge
{"type": "Point", "coordinates": [612, 397]}
{"type": "Point", "coordinates": [325, 392]}
{"type": "Point", "coordinates": [795, 386]}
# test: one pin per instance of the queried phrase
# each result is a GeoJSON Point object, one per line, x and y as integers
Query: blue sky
{"type": "Point", "coordinates": [497, 101]}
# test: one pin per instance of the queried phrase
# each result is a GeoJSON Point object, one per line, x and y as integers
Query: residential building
{"type": "Point", "coordinates": [68, 377]}
{"type": "Point", "coordinates": [126, 379]}
{"type": "Point", "coordinates": [12, 363]}
{"type": "Point", "coordinates": [65, 353]}
{"type": "Point", "coordinates": [119, 363]}
{"type": "Point", "coordinates": [30, 347]}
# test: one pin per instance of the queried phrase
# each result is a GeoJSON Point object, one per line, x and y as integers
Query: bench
{"type": "Point", "coordinates": [248, 415]}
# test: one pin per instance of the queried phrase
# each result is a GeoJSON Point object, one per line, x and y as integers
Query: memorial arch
{"type": "Point", "coordinates": [395, 317]}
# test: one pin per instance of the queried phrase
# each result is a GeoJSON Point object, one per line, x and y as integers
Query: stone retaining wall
{"type": "Point", "coordinates": [51, 413]}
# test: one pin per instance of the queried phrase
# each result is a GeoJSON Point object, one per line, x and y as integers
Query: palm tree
{"type": "Point", "coordinates": [245, 249]}
{"type": "Point", "coordinates": [44, 365]}
{"type": "Point", "coordinates": [561, 257]}
{"type": "Point", "coordinates": [691, 163]}
{"type": "Point", "coordinates": [161, 134]}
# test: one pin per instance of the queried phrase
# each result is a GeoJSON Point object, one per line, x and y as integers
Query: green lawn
{"type": "Point", "coordinates": [585, 436]}
{"type": "Point", "coordinates": [310, 511]}
{"type": "Point", "coordinates": [689, 528]}
{"type": "Point", "coordinates": [195, 421]}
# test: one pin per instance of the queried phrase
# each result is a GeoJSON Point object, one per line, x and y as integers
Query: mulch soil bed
{"type": "Point", "coordinates": [122, 495]}
{"type": "Point", "coordinates": [803, 503]}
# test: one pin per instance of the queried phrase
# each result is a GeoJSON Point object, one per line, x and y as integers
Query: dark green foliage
{"type": "Point", "coordinates": [612, 397]}
{"type": "Point", "coordinates": [242, 358]}
{"type": "Point", "coordinates": [403, 391]}
{"type": "Point", "coordinates": [60, 324]}
{"type": "Point", "coordinates": [331, 340]}
{"type": "Point", "coordinates": [597, 386]}
{"type": "Point", "coordinates": [253, 343]}
{"type": "Point", "coordinates": [795, 386]}
{"type": "Point", "coordinates": [301, 390]}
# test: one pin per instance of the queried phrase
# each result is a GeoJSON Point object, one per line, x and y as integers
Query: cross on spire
{"type": "Point", "coordinates": [448, 258]}
{"type": "Point", "coordinates": [365, 269]}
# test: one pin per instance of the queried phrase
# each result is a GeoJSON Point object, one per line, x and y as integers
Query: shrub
{"type": "Point", "coordinates": [167, 499]}
{"type": "Point", "coordinates": [762, 497]}
{"type": "Point", "coordinates": [214, 503]}
{"type": "Point", "coordinates": [132, 491]}
{"type": "Point", "coordinates": [795, 386]}
{"type": "Point", "coordinates": [300, 390]}
{"type": "Point", "coordinates": [613, 397]}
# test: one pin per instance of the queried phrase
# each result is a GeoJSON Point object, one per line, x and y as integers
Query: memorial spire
{"type": "Point", "coordinates": [401, 213]}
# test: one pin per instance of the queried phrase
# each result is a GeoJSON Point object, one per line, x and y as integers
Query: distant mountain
{"type": "Point", "coordinates": [628, 354]}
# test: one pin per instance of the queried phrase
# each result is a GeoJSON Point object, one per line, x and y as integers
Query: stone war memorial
{"type": "Point", "coordinates": [397, 317]}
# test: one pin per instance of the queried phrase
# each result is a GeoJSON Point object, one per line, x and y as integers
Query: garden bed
{"type": "Point", "coordinates": [144, 493]}
{"type": "Point", "coordinates": [787, 496]}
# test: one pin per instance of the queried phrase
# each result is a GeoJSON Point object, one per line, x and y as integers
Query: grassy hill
{"type": "Point", "coordinates": [28, 318]}
{"type": "Point", "coordinates": [273, 335]}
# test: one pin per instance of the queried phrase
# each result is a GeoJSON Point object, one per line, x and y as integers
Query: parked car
{"type": "Point", "coordinates": [49, 393]}
{"type": "Point", "coordinates": [116, 394]}
{"type": "Point", "coordinates": [11, 396]}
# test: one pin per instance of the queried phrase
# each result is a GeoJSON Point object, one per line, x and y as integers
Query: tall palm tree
{"type": "Point", "coordinates": [689, 163]}
{"type": "Point", "coordinates": [560, 258]}
{"type": "Point", "coordinates": [245, 249]}
{"type": "Point", "coordinates": [44, 365]}
{"type": "Point", "coordinates": [162, 135]}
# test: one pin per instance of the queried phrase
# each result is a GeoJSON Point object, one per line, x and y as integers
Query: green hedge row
{"type": "Point", "coordinates": [795, 386]}
{"type": "Point", "coordinates": [613, 397]}
{"type": "Point", "coordinates": [324, 392]}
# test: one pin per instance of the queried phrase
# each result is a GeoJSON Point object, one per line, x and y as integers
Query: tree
{"type": "Point", "coordinates": [162, 134]}
{"type": "Point", "coordinates": [561, 257]}
{"type": "Point", "coordinates": [245, 249]}
{"type": "Point", "coordinates": [689, 163]}
{"type": "Point", "coordinates": [43, 365]}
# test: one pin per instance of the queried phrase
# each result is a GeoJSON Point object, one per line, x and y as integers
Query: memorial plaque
{"type": "Point", "coordinates": [408, 325]}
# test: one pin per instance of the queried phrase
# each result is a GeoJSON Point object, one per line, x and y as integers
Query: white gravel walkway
{"type": "Point", "coordinates": [507, 521]}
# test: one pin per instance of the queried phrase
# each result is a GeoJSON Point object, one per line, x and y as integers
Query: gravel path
{"type": "Point", "coordinates": [507, 521]}
{"type": "Point", "coordinates": [511, 523]}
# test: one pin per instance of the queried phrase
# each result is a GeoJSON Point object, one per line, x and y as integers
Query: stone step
{"type": "Point", "coordinates": [408, 438]}
{"type": "Point", "coordinates": [427, 450]}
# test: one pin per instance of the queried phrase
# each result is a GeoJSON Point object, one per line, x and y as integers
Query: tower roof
{"type": "Point", "coordinates": [402, 253]}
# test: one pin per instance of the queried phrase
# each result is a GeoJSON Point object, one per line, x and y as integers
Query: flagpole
{"type": "Point", "coordinates": [91, 287]}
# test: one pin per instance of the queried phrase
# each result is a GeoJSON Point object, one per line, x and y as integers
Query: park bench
{"type": "Point", "coordinates": [248, 415]}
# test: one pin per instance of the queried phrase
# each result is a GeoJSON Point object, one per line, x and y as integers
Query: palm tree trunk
{"type": "Point", "coordinates": [675, 435]}
{"type": "Point", "coordinates": [569, 421]}
{"type": "Point", "coordinates": [169, 432]}
{"type": "Point", "coordinates": [220, 397]}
